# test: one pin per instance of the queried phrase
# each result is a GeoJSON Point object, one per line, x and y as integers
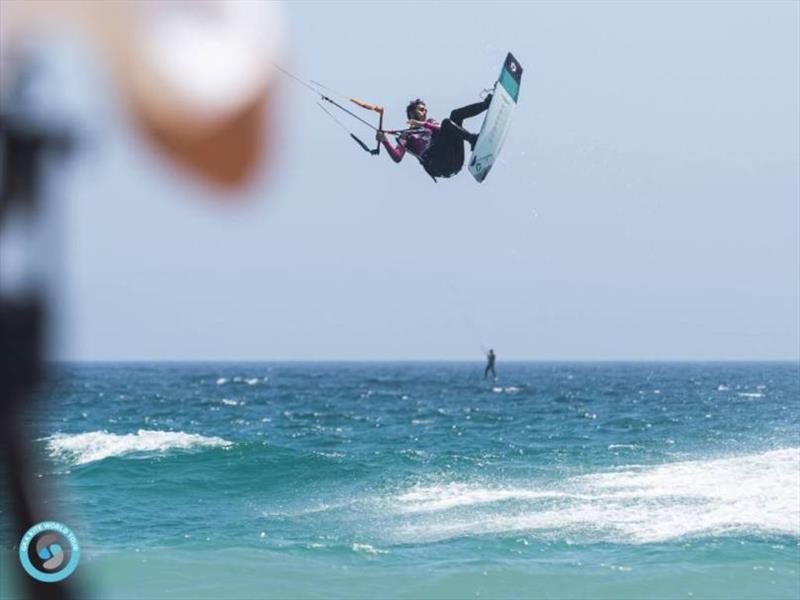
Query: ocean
{"type": "Point", "coordinates": [423, 480]}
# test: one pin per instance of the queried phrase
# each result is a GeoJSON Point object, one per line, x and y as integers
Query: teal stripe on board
{"type": "Point", "coordinates": [510, 84]}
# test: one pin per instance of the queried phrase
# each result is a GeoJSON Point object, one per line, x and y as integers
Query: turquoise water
{"type": "Point", "coordinates": [412, 480]}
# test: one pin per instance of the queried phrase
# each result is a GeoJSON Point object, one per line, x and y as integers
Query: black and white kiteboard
{"type": "Point", "coordinates": [498, 119]}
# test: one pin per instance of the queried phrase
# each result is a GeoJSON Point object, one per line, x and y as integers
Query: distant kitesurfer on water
{"type": "Point", "coordinates": [439, 148]}
{"type": "Point", "coordinates": [490, 358]}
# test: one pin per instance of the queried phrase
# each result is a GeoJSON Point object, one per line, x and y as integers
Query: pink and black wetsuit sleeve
{"type": "Point", "coordinates": [396, 152]}
{"type": "Point", "coordinates": [416, 143]}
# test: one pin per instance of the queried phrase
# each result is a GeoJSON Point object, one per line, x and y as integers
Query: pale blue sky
{"type": "Point", "coordinates": [646, 207]}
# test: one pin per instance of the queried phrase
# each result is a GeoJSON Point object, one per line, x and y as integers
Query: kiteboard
{"type": "Point", "coordinates": [498, 119]}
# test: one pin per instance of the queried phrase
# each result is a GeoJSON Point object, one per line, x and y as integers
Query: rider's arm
{"type": "Point", "coordinates": [397, 152]}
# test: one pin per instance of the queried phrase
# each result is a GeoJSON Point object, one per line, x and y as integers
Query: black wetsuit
{"type": "Point", "coordinates": [445, 156]}
{"type": "Point", "coordinates": [490, 365]}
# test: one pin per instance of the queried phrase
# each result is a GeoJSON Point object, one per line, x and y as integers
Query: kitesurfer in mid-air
{"type": "Point", "coordinates": [439, 147]}
{"type": "Point", "coordinates": [490, 358]}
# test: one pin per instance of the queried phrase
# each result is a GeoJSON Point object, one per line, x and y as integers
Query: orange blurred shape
{"type": "Point", "coordinates": [195, 74]}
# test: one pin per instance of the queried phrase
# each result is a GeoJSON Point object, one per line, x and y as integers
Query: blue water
{"type": "Point", "coordinates": [415, 480]}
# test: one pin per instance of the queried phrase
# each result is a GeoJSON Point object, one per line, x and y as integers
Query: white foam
{"type": "Point", "coordinates": [83, 448]}
{"type": "Point", "coordinates": [368, 549]}
{"type": "Point", "coordinates": [755, 493]}
{"type": "Point", "coordinates": [750, 394]}
{"type": "Point", "coordinates": [445, 497]}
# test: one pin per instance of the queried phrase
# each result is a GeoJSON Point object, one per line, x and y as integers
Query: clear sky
{"type": "Point", "coordinates": [647, 205]}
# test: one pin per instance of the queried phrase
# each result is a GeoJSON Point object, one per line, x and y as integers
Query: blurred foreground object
{"type": "Point", "coordinates": [195, 74]}
{"type": "Point", "coordinates": [28, 143]}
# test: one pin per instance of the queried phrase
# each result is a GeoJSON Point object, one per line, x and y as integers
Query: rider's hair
{"type": "Point", "coordinates": [412, 105]}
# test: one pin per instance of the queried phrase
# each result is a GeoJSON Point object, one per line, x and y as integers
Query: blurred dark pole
{"type": "Point", "coordinates": [25, 144]}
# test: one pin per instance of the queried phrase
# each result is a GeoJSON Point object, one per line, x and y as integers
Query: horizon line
{"type": "Point", "coordinates": [422, 360]}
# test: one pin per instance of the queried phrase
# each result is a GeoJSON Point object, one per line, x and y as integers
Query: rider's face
{"type": "Point", "coordinates": [420, 112]}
